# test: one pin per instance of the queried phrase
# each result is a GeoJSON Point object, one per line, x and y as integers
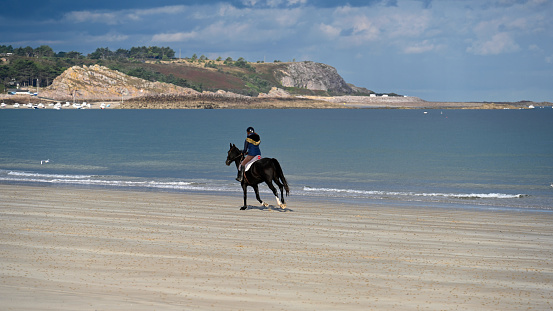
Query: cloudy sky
{"type": "Point", "coordinates": [439, 50]}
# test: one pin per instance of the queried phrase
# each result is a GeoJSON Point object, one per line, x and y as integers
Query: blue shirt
{"type": "Point", "coordinates": [251, 145]}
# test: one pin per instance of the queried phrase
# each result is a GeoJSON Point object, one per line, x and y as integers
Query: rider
{"type": "Point", "coordinates": [251, 149]}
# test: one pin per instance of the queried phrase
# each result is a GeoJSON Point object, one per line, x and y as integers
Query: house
{"type": "Point", "coordinates": [18, 92]}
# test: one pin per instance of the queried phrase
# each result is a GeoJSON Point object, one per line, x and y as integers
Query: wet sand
{"type": "Point", "coordinates": [78, 249]}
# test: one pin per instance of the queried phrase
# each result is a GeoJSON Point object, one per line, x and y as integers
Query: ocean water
{"type": "Point", "coordinates": [492, 159]}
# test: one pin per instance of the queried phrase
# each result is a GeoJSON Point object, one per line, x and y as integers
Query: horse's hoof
{"type": "Point", "coordinates": [265, 204]}
{"type": "Point", "coordinates": [283, 206]}
{"type": "Point", "coordinates": [243, 208]}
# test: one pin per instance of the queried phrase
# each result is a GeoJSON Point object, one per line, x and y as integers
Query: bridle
{"type": "Point", "coordinates": [240, 155]}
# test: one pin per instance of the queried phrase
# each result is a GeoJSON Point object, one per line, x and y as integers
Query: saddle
{"type": "Point", "coordinates": [252, 161]}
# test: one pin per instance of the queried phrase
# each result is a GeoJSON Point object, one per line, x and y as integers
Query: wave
{"type": "Point", "coordinates": [94, 180]}
{"type": "Point", "coordinates": [102, 182]}
{"type": "Point", "coordinates": [210, 185]}
{"type": "Point", "coordinates": [12, 173]}
{"type": "Point", "coordinates": [372, 193]}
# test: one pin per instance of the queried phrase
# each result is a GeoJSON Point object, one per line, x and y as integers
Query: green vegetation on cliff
{"type": "Point", "coordinates": [32, 68]}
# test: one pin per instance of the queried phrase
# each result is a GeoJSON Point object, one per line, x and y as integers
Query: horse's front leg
{"type": "Point", "coordinates": [256, 189]}
{"type": "Point", "coordinates": [245, 188]}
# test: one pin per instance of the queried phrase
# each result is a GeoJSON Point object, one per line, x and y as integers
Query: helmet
{"type": "Point", "coordinates": [250, 130]}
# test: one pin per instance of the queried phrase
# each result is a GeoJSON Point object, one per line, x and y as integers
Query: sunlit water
{"type": "Point", "coordinates": [462, 158]}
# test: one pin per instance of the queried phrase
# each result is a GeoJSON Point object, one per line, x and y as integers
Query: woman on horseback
{"type": "Point", "coordinates": [251, 149]}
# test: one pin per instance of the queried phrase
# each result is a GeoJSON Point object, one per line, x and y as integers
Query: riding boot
{"type": "Point", "coordinates": [240, 176]}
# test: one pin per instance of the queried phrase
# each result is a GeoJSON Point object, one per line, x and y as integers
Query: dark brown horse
{"type": "Point", "coordinates": [265, 170]}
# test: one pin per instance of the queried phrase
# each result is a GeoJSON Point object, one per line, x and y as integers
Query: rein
{"type": "Point", "coordinates": [238, 156]}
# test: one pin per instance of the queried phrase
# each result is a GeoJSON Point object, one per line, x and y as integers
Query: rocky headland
{"type": "Point", "coordinates": [98, 85]}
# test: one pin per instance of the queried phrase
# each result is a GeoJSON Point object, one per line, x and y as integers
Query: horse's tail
{"type": "Point", "coordinates": [280, 175]}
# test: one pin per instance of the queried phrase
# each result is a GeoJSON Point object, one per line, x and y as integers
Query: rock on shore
{"type": "Point", "coordinates": [103, 84]}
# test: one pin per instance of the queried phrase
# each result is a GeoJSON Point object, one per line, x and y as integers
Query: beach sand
{"type": "Point", "coordinates": [89, 249]}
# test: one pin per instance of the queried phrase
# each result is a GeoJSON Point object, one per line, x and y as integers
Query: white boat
{"type": "Point", "coordinates": [531, 107]}
{"type": "Point", "coordinates": [3, 105]}
{"type": "Point", "coordinates": [16, 105]}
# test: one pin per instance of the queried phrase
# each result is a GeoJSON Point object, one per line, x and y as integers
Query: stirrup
{"type": "Point", "coordinates": [240, 176]}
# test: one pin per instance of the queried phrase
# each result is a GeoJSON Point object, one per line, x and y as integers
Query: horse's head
{"type": "Point", "coordinates": [233, 154]}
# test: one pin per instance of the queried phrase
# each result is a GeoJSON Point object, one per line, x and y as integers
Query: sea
{"type": "Point", "coordinates": [460, 159]}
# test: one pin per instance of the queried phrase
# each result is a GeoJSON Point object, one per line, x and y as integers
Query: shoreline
{"type": "Point", "coordinates": [90, 249]}
{"type": "Point", "coordinates": [212, 101]}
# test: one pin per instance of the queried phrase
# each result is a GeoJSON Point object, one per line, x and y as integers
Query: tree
{"type": "Point", "coordinates": [44, 51]}
{"type": "Point", "coordinates": [73, 54]}
{"type": "Point", "coordinates": [26, 51]}
{"type": "Point", "coordinates": [101, 53]}
{"type": "Point", "coordinates": [6, 49]}
{"type": "Point", "coordinates": [122, 54]}
{"type": "Point", "coordinates": [228, 61]}
{"type": "Point", "coordinates": [241, 62]}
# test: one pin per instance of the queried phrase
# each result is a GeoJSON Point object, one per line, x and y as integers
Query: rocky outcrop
{"type": "Point", "coordinates": [225, 94]}
{"type": "Point", "coordinates": [101, 83]}
{"type": "Point", "coordinates": [275, 93]}
{"type": "Point", "coordinates": [312, 76]}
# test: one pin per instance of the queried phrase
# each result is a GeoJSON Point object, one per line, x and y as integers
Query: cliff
{"type": "Point", "coordinates": [100, 83]}
{"type": "Point", "coordinates": [311, 76]}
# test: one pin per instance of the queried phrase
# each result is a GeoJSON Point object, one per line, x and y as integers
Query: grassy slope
{"type": "Point", "coordinates": [224, 77]}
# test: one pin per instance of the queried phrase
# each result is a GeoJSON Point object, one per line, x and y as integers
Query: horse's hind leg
{"type": "Point", "coordinates": [270, 184]}
{"type": "Point", "coordinates": [256, 189]}
{"type": "Point", "coordinates": [281, 188]}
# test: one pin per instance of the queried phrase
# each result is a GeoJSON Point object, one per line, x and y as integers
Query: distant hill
{"type": "Point", "coordinates": [241, 77]}
{"type": "Point", "coordinates": [150, 77]}
{"type": "Point", "coordinates": [130, 80]}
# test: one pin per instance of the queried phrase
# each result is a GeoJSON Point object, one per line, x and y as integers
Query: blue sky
{"type": "Point", "coordinates": [462, 50]}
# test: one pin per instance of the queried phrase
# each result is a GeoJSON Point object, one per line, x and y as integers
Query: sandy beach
{"type": "Point", "coordinates": [83, 249]}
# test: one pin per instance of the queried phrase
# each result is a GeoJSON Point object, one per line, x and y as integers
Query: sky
{"type": "Point", "coordinates": [438, 50]}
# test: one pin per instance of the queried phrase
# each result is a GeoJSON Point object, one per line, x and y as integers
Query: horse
{"type": "Point", "coordinates": [264, 170]}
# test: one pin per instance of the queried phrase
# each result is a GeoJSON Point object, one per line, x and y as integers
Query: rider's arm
{"type": "Point", "coordinates": [245, 151]}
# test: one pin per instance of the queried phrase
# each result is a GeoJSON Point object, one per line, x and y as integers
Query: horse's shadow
{"type": "Point", "coordinates": [270, 208]}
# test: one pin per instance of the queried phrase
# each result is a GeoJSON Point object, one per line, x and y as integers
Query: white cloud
{"type": "Point", "coordinates": [228, 11]}
{"type": "Point", "coordinates": [109, 37]}
{"type": "Point", "coordinates": [297, 2]}
{"type": "Point", "coordinates": [174, 37]}
{"type": "Point", "coordinates": [497, 44]}
{"type": "Point", "coordinates": [92, 17]}
{"type": "Point", "coordinates": [274, 3]}
{"type": "Point", "coordinates": [284, 18]}
{"type": "Point", "coordinates": [535, 48]}
{"type": "Point", "coordinates": [165, 10]}
{"type": "Point", "coordinates": [421, 47]}
{"type": "Point", "coordinates": [249, 2]}
{"type": "Point", "coordinates": [329, 30]}
{"type": "Point", "coordinates": [404, 24]}
{"type": "Point", "coordinates": [121, 16]}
